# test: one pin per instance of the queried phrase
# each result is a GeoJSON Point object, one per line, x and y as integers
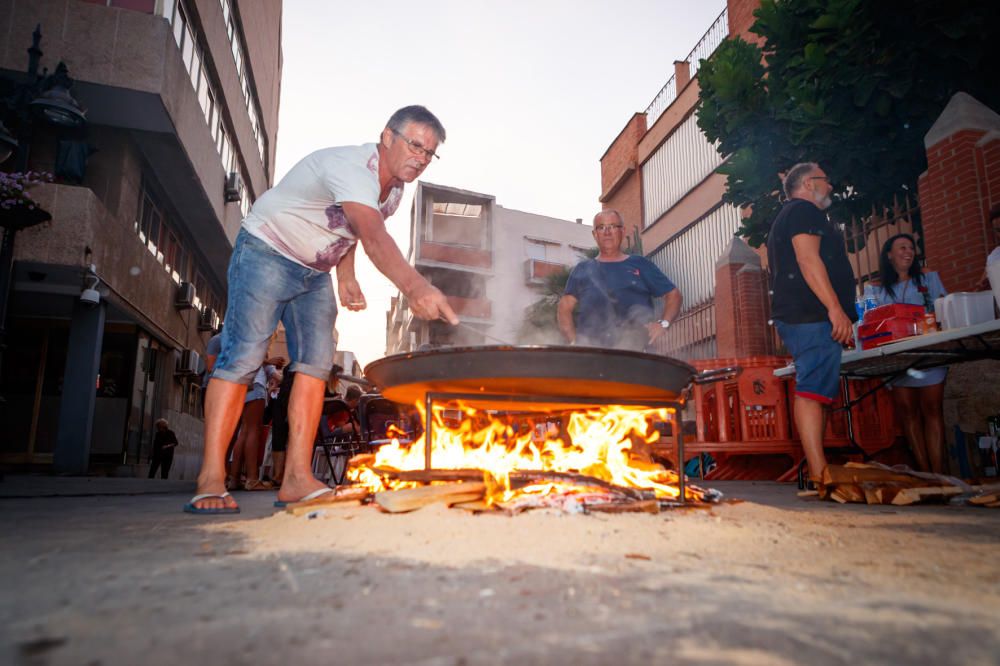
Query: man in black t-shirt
{"type": "Point", "coordinates": [812, 300]}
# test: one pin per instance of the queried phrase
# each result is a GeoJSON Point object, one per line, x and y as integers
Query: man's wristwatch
{"type": "Point", "coordinates": [664, 323]}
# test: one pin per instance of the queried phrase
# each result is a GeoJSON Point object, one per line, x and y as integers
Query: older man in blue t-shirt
{"type": "Point", "coordinates": [615, 293]}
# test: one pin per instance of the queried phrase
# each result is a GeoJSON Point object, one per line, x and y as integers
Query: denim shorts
{"type": "Point", "coordinates": [255, 392]}
{"type": "Point", "coordinates": [265, 288]}
{"type": "Point", "coordinates": [817, 359]}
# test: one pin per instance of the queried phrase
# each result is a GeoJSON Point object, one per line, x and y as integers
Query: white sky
{"type": "Point", "coordinates": [531, 94]}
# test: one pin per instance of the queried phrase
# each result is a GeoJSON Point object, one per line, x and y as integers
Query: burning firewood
{"type": "Point", "coordinates": [518, 479]}
{"type": "Point", "coordinates": [410, 499]}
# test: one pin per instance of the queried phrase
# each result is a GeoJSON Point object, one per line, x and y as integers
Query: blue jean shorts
{"type": "Point", "coordinates": [255, 392]}
{"type": "Point", "coordinates": [817, 359]}
{"type": "Point", "coordinates": [265, 288]}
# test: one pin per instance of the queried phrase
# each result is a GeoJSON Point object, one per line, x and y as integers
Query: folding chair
{"type": "Point", "coordinates": [338, 445]}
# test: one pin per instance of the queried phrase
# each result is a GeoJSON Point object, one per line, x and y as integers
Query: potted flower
{"type": "Point", "coordinates": [17, 209]}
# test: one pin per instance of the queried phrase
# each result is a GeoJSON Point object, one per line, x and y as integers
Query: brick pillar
{"type": "Point", "coordinates": [682, 74]}
{"type": "Point", "coordinates": [960, 186]}
{"type": "Point", "coordinates": [741, 303]}
{"type": "Point", "coordinates": [621, 181]}
{"type": "Point", "coordinates": [741, 18]}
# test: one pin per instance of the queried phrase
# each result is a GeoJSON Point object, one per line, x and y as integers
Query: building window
{"type": "Point", "coordinates": [192, 54]}
{"type": "Point", "coordinates": [160, 235]}
{"type": "Point", "coordinates": [538, 250]}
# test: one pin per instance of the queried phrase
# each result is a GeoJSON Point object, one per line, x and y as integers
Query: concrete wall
{"type": "Point", "coordinates": [508, 289]}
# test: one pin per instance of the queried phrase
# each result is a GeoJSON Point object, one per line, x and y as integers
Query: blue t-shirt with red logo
{"type": "Point", "coordinates": [615, 294]}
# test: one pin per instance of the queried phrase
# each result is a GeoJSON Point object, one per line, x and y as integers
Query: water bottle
{"type": "Point", "coordinates": [859, 307]}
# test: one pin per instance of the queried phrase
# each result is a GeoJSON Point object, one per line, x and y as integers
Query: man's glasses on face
{"type": "Point", "coordinates": [607, 228]}
{"type": "Point", "coordinates": [826, 178]}
{"type": "Point", "coordinates": [416, 148]}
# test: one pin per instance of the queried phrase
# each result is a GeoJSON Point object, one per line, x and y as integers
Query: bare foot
{"type": "Point", "coordinates": [214, 487]}
{"type": "Point", "coordinates": [294, 488]}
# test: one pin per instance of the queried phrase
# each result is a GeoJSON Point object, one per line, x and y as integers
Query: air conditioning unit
{"type": "Point", "coordinates": [189, 363]}
{"type": "Point", "coordinates": [209, 320]}
{"type": "Point", "coordinates": [234, 187]}
{"type": "Point", "coordinates": [184, 298]}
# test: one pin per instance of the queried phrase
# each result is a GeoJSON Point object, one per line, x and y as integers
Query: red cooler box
{"type": "Point", "coordinates": [888, 323]}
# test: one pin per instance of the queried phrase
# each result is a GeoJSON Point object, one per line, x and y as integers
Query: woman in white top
{"type": "Point", "coordinates": [918, 399]}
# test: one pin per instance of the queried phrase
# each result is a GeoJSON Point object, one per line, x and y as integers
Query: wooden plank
{"type": "Point", "coordinates": [985, 499]}
{"type": "Point", "coordinates": [908, 496]}
{"type": "Point", "coordinates": [477, 506]}
{"type": "Point", "coordinates": [844, 474]}
{"type": "Point", "coordinates": [847, 492]}
{"type": "Point", "coordinates": [409, 499]}
{"type": "Point", "coordinates": [343, 494]}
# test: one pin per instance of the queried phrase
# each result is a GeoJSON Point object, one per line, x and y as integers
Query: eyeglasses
{"type": "Point", "coordinates": [416, 148]}
{"type": "Point", "coordinates": [826, 178]}
{"type": "Point", "coordinates": [607, 228]}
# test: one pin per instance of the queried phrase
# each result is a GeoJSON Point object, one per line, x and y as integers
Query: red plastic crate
{"type": "Point", "coordinates": [753, 407]}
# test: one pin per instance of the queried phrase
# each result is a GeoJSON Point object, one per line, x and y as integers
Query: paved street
{"type": "Point", "coordinates": [109, 571]}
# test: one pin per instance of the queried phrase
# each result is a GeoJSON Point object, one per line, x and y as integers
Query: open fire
{"type": "Point", "coordinates": [592, 456]}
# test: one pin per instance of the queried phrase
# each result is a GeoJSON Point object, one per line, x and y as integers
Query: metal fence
{"type": "Point", "coordinates": [689, 257]}
{"type": "Point", "coordinates": [864, 237]}
{"type": "Point", "coordinates": [685, 159]}
{"type": "Point", "coordinates": [705, 47]}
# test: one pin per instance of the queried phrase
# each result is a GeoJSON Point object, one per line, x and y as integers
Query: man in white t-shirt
{"type": "Point", "coordinates": [294, 236]}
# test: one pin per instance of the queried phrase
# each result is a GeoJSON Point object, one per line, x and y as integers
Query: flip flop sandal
{"type": "Point", "coordinates": [257, 484]}
{"type": "Point", "coordinates": [316, 494]}
{"type": "Point", "coordinates": [191, 508]}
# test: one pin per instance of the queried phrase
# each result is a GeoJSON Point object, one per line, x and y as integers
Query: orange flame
{"type": "Point", "coordinates": [599, 442]}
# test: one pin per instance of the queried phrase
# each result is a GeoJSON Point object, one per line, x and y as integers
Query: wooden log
{"type": "Point", "coordinates": [907, 496]}
{"type": "Point", "coordinates": [518, 479]}
{"type": "Point", "coordinates": [409, 499]}
{"type": "Point", "coordinates": [429, 475]}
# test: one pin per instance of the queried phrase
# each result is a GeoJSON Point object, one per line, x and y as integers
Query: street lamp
{"type": "Point", "coordinates": [47, 97]}
{"type": "Point", "coordinates": [57, 104]}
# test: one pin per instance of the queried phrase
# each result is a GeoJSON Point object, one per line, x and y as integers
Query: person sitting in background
{"type": "Point", "coordinates": [343, 423]}
{"type": "Point", "coordinates": [918, 397]}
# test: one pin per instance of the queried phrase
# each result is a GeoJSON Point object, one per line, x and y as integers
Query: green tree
{"type": "Point", "coordinates": [852, 84]}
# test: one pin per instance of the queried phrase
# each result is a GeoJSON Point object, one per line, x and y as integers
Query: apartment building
{"type": "Point", "coordinates": [660, 172]}
{"type": "Point", "coordinates": [112, 301]}
{"type": "Point", "coordinates": [490, 261]}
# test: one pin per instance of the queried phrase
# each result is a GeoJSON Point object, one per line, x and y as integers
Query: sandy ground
{"type": "Point", "coordinates": [773, 579]}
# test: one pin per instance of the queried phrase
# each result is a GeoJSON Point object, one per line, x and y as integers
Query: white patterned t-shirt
{"type": "Point", "coordinates": [302, 216]}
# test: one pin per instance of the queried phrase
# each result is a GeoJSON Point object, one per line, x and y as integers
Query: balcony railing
{"type": "Point", "coordinates": [536, 270]}
{"type": "Point", "coordinates": [456, 255]}
{"type": "Point", "coordinates": [705, 47]}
